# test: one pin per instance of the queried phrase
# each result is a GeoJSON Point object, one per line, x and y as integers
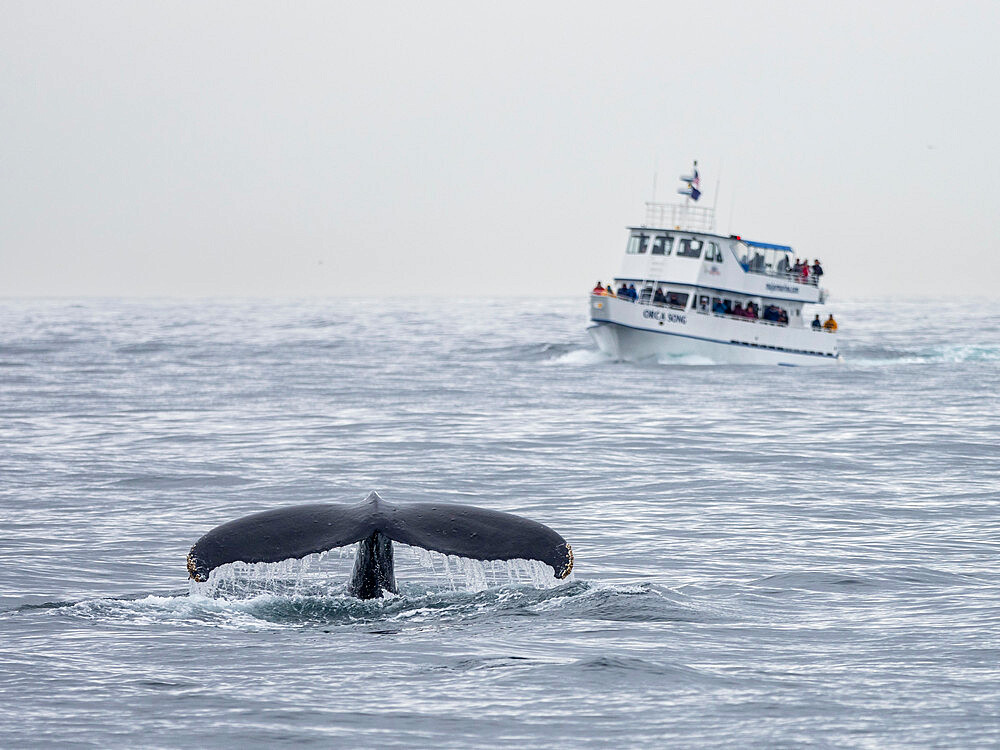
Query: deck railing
{"type": "Point", "coordinates": [796, 278]}
{"type": "Point", "coordinates": [684, 308]}
{"type": "Point", "coordinates": [680, 216]}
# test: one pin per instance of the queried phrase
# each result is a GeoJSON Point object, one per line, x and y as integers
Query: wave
{"type": "Point", "coordinates": [194, 481]}
{"type": "Point", "coordinates": [413, 605]}
{"type": "Point", "coordinates": [417, 604]}
{"type": "Point", "coordinates": [144, 347]}
{"type": "Point", "coordinates": [579, 356]}
{"type": "Point", "coordinates": [853, 356]}
{"type": "Point", "coordinates": [933, 354]}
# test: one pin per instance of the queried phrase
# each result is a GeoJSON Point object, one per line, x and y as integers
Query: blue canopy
{"type": "Point", "coordinates": [767, 246]}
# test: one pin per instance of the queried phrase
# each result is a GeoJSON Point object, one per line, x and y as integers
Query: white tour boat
{"type": "Point", "coordinates": [684, 290]}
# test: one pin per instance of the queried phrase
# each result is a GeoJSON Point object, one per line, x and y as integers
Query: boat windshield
{"type": "Point", "coordinates": [638, 242]}
{"type": "Point", "coordinates": [690, 248]}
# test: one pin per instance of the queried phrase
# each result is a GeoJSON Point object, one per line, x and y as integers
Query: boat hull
{"type": "Point", "coordinates": [633, 332]}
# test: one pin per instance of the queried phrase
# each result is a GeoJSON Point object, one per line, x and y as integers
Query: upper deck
{"type": "Point", "coordinates": [677, 245]}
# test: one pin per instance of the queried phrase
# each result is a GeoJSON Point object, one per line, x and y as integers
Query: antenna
{"type": "Point", "coordinates": [718, 181]}
{"type": "Point", "coordinates": [715, 200]}
{"type": "Point", "coordinates": [732, 204]}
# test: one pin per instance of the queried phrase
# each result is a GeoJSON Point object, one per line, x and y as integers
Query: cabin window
{"type": "Point", "coordinates": [690, 248]}
{"type": "Point", "coordinates": [677, 299]}
{"type": "Point", "coordinates": [703, 302]}
{"type": "Point", "coordinates": [637, 244]}
{"type": "Point", "coordinates": [713, 254]}
{"type": "Point", "coordinates": [662, 244]}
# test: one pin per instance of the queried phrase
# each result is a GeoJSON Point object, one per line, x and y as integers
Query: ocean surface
{"type": "Point", "coordinates": [765, 556]}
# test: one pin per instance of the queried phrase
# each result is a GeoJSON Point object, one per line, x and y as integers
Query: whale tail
{"type": "Point", "coordinates": [463, 530]}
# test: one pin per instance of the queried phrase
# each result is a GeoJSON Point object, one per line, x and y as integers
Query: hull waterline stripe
{"type": "Point", "coordinates": [717, 341]}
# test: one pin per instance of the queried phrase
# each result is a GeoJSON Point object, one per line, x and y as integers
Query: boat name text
{"type": "Point", "coordinates": [672, 317]}
{"type": "Point", "coordinates": [783, 288]}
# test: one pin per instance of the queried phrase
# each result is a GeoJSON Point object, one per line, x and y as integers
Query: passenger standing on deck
{"type": "Point", "coordinates": [598, 289]}
{"type": "Point", "coordinates": [804, 278]}
{"type": "Point", "coordinates": [632, 293]}
{"type": "Point", "coordinates": [816, 324]}
{"type": "Point", "coordinates": [830, 324]}
{"type": "Point", "coordinates": [623, 291]}
{"type": "Point", "coordinates": [817, 270]}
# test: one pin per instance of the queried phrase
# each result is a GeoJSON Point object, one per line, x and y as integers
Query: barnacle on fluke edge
{"type": "Point", "coordinates": [193, 570]}
{"type": "Point", "coordinates": [569, 564]}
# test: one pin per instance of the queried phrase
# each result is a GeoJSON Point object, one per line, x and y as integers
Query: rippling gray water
{"type": "Point", "coordinates": [765, 556]}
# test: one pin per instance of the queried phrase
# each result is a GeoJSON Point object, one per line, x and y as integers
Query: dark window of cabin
{"type": "Point", "coordinates": [637, 244]}
{"type": "Point", "coordinates": [713, 253]}
{"type": "Point", "coordinates": [703, 301]}
{"type": "Point", "coordinates": [677, 299]}
{"type": "Point", "coordinates": [690, 248]}
{"type": "Point", "coordinates": [662, 244]}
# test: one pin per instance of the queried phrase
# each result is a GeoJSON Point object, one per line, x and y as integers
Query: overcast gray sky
{"type": "Point", "coordinates": [247, 148]}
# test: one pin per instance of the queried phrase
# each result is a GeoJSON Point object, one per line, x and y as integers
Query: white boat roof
{"type": "Point", "coordinates": [750, 243]}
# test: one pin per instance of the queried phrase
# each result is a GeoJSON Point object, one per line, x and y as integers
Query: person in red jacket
{"type": "Point", "coordinates": [598, 289]}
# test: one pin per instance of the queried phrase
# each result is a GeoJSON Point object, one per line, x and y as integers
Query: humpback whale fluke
{"type": "Point", "coordinates": [276, 535]}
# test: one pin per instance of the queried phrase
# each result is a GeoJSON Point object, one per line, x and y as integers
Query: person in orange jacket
{"type": "Point", "coordinates": [830, 324]}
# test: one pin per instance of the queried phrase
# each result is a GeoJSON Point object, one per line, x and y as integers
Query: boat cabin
{"type": "Point", "coordinates": [695, 268]}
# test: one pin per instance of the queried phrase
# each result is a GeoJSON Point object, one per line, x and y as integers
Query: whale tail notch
{"type": "Point", "coordinates": [300, 530]}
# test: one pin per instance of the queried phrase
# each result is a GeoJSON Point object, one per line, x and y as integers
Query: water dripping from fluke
{"type": "Point", "coordinates": [470, 543]}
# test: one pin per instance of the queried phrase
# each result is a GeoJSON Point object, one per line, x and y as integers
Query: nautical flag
{"type": "Point", "coordinates": [693, 184]}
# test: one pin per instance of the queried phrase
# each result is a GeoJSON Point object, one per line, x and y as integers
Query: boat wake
{"type": "Point", "coordinates": [580, 356]}
{"type": "Point", "coordinates": [858, 356]}
{"type": "Point", "coordinates": [584, 356]}
{"type": "Point", "coordinates": [689, 360]}
{"type": "Point", "coordinates": [933, 354]}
